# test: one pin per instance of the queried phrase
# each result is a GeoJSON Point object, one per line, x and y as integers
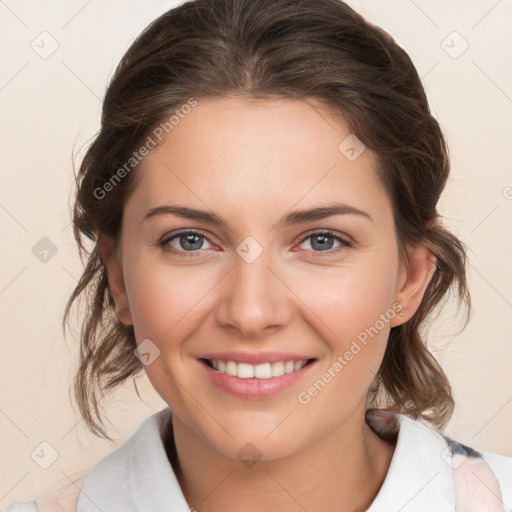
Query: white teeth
{"type": "Point", "coordinates": [231, 368]}
{"type": "Point", "coordinates": [258, 371]}
{"type": "Point", "coordinates": [245, 371]}
{"type": "Point", "coordinates": [263, 371]}
{"type": "Point", "coordinates": [277, 369]}
{"type": "Point", "coordinates": [289, 366]}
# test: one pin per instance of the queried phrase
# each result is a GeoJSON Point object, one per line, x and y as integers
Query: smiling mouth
{"type": "Point", "coordinates": [256, 371]}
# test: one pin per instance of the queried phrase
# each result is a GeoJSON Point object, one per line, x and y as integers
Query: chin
{"type": "Point", "coordinates": [251, 450]}
{"type": "Point", "coordinates": [252, 440]}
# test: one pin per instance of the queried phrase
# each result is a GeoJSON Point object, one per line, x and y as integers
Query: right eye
{"type": "Point", "coordinates": [184, 242]}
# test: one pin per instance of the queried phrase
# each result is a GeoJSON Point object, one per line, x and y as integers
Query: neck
{"type": "Point", "coordinates": [317, 477]}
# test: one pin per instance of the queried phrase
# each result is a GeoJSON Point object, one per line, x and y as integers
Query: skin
{"type": "Point", "coordinates": [63, 495]}
{"type": "Point", "coordinates": [252, 162]}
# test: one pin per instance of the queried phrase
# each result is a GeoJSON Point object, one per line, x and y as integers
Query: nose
{"type": "Point", "coordinates": [254, 299]}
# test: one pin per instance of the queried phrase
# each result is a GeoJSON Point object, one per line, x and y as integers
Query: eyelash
{"type": "Point", "coordinates": [345, 244]}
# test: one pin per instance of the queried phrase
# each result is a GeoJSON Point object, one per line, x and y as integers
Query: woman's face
{"type": "Point", "coordinates": [265, 285]}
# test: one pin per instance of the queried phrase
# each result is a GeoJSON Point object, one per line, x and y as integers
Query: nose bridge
{"type": "Point", "coordinates": [254, 298]}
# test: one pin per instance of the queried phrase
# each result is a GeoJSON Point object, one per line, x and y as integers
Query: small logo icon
{"type": "Point", "coordinates": [454, 455]}
{"type": "Point", "coordinates": [454, 45]}
{"type": "Point", "coordinates": [351, 147]}
{"type": "Point", "coordinates": [146, 352]}
{"type": "Point", "coordinates": [249, 249]}
{"type": "Point", "coordinates": [44, 250]}
{"type": "Point", "coordinates": [44, 455]}
{"type": "Point", "coordinates": [44, 45]}
{"type": "Point", "coordinates": [249, 454]}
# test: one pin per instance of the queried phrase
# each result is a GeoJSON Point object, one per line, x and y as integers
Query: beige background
{"type": "Point", "coordinates": [51, 106]}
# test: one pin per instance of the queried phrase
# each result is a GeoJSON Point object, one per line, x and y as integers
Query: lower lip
{"type": "Point", "coordinates": [255, 388]}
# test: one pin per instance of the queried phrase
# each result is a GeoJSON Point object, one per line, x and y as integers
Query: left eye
{"type": "Point", "coordinates": [322, 241]}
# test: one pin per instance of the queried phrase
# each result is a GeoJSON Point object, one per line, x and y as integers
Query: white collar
{"type": "Point", "coordinates": [138, 477]}
{"type": "Point", "coordinates": [420, 477]}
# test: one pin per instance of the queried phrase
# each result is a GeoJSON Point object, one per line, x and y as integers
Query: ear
{"type": "Point", "coordinates": [414, 277]}
{"type": "Point", "coordinates": [111, 259]}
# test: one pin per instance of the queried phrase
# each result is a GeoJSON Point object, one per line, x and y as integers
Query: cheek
{"type": "Point", "coordinates": [167, 305]}
{"type": "Point", "coordinates": [166, 301]}
{"type": "Point", "coordinates": [352, 309]}
{"type": "Point", "coordinates": [352, 316]}
{"type": "Point", "coordinates": [346, 301]}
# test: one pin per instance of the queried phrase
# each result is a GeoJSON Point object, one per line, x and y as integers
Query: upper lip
{"type": "Point", "coordinates": [255, 358]}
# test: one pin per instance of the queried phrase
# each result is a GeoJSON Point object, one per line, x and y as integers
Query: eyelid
{"type": "Point", "coordinates": [329, 232]}
{"type": "Point", "coordinates": [346, 243]}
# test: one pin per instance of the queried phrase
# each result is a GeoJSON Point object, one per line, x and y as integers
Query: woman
{"type": "Point", "coordinates": [267, 248]}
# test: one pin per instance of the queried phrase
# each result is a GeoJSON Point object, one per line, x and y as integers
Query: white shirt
{"type": "Point", "coordinates": [422, 477]}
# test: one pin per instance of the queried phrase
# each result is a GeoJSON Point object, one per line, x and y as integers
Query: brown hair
{"type": "Point", "coordinates": [307, 49]}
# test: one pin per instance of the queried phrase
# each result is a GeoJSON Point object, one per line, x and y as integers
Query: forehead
{"type": "Point", "coordinates": [259, 156]}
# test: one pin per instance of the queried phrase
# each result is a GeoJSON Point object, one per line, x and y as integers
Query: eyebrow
{"type": "Point", "coordinates": [292, 218]}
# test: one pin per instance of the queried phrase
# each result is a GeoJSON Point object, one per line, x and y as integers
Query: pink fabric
{"type": "Point", "coordinates": [476, 486]}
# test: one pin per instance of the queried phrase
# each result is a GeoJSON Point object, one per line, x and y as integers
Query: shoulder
{"type": "Point", "coordinates": [125, 479]}
{"type": "Point", "coordinates": [429, 469]}
{"type": "Point", "coordinates": [135, 476]}
{"type": "Point", "coordinates": [111, 471]}
{"type": "Point", "coordinates": [501, 466]}
{"type": "Point", "coordinates": [16, 506]}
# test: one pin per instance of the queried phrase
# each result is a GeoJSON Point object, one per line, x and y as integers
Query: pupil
{"type": "Point", "coordinates": [323, 245]}
{"type": "Point", "coordinates": [191, 239]}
